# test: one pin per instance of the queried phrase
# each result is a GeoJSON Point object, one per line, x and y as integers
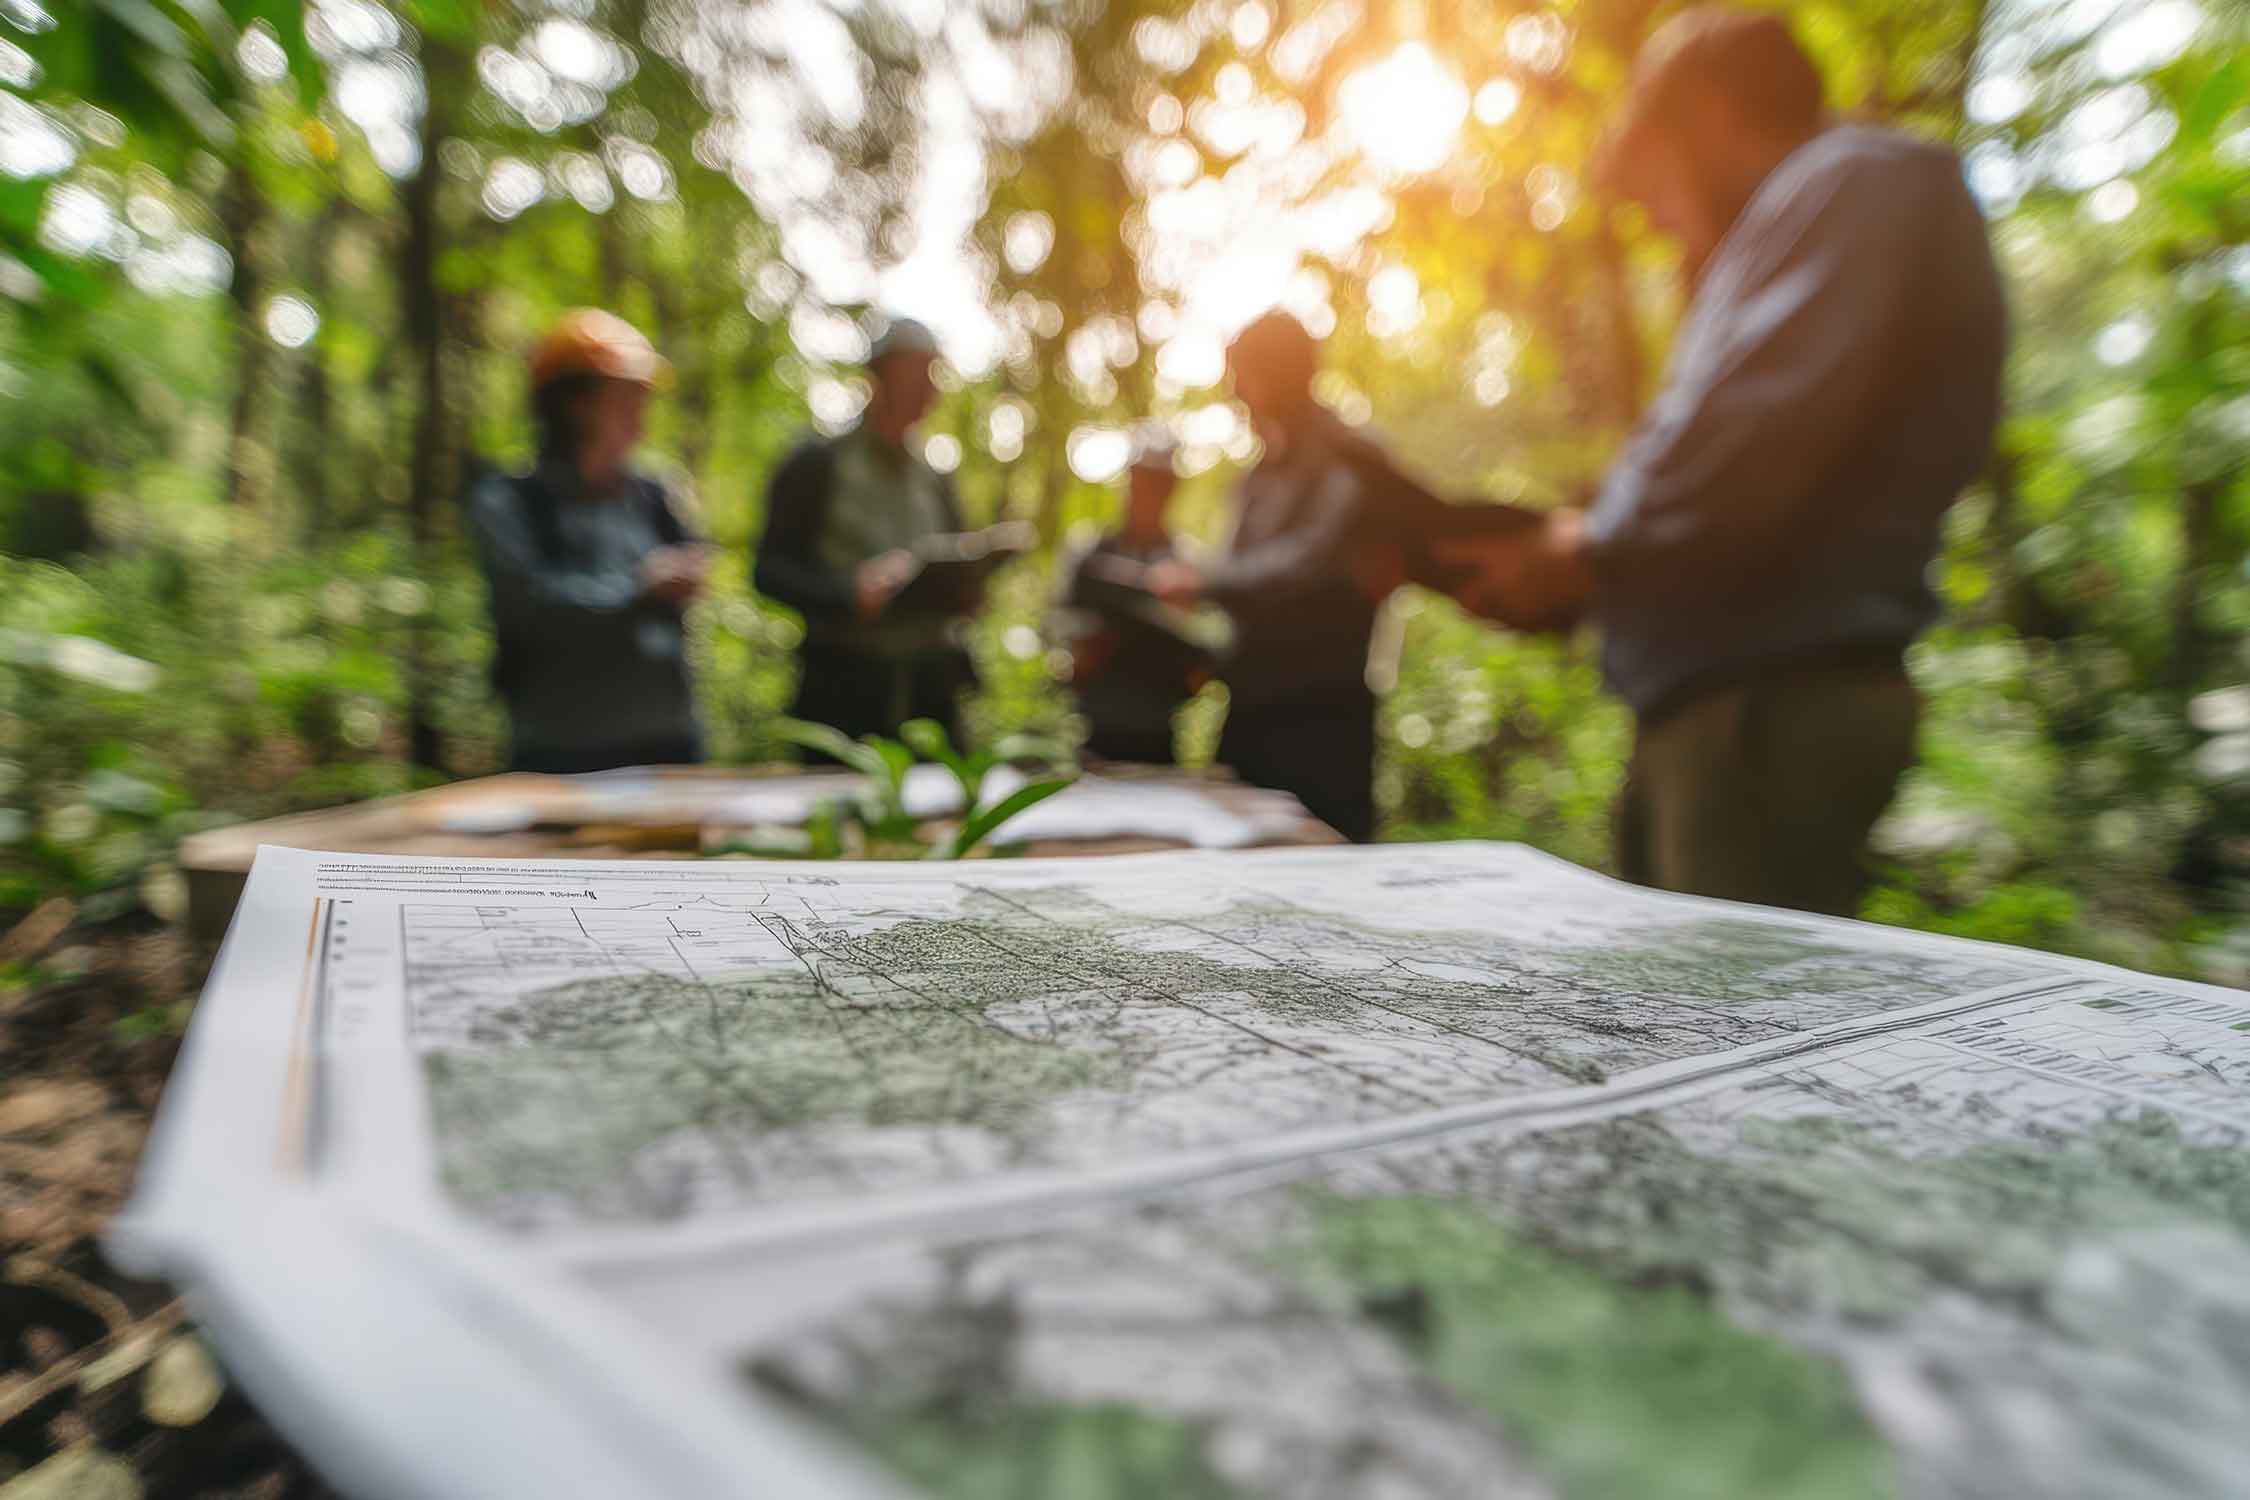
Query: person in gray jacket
{"type": "Point", "coordinates": [1315, 548]}
{"type": "Point", "coordinates": [849, 520]}
{"type": "Point", "coordinates": [590, 567]}
{"type": "Point", "coordinates": [1757, 558]}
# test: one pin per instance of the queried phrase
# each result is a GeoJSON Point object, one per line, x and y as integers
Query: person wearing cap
{"type": "Point", "coordinates": [1302, 576]}
{"type": "Point", "coordinates": [847, 521]}
{"type": "Point", "coordinates": [590, 567]}
{"type": "Point", "coordinates": [1757, 558]}
{"type": "Point", "coordinates": [1131, 668]}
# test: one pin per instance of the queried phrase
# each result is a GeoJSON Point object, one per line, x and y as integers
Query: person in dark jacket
{"type": "Point", "coordinates": [1757, 559]}
{"type": "Point", "coordinates": [590, 567]}
{"type": "Point", "coordinates": [1131, 667]}
{"type": "Point", "coordinates": [850, 522]}
{"type": "Point", "coordinates": [1301, 586]}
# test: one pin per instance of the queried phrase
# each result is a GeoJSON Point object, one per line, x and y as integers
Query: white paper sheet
{"type": "Point", "coordinates": [541, 1177]}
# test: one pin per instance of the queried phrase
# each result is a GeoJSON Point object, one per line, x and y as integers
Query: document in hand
{"type": "Point", "coordinates": [1112, 591]}
{"type": "Point", "coordinates": [1426, 525]}
{"type": "Point", "coordinates": [1158, 653]}
{"type": "Point", "coordinates": [1439, 1170]}
{"type": "Point", "coordinates": [951, 570]}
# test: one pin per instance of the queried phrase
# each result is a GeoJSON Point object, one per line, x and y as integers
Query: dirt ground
{"type": "Point", "coordinates": [106, 1392]}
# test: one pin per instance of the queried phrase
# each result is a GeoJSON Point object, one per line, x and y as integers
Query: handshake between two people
{"type": "Point", "coordinates": [1376, 571]}
{"type": "Point", "coordinates": [1532, 577]}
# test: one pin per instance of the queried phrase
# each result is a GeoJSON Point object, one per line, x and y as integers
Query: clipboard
{"type": "Point", "coordinates": [952, 569]}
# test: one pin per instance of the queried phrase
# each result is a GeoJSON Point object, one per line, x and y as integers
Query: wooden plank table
{"type": "Point", "coordinates": [675, 812]}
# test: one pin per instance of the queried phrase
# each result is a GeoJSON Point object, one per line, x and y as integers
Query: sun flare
{"type": "Point", "coordinates": [1405, 112]}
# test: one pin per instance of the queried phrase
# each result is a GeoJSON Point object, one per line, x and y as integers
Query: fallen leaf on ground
{"type": "Point", "coordinates": [43, 1106]}
{"type": "Point", "coordinates": [182, 1385]}
{"type": "Point", "coordinates": [81, 1473]}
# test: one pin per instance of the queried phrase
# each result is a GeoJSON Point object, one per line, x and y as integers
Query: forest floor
{"type": "Point", "coordinates": [106, 1393]}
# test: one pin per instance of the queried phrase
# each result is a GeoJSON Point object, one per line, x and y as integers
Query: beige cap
{"type": "Point", "coordinates": [589, 341]}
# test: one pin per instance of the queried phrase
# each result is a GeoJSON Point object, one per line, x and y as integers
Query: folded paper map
{"type": "Point", "coordinates": [1409, 1171]}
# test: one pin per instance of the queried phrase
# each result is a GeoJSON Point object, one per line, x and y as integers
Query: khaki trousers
{"type": "Point", "coordinates": [1765, 790]}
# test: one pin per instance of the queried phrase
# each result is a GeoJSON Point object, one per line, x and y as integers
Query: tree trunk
{"type": "Point", "coordinates": [686, 331]}
{"type": "Point", "coordinates": [2017, 601]}
{"type": "Point", "coordinates": [315, 397]}
{"type": "Point", "coordinates": [2199, 527]}
{"type": "Point", "coordinates": [2201, 546]}
{"type": "Point", "coordinates": [612, 236]}
{"type": "Point", "coordinates": [243, 214]}
{"type": "Point", "coordinates": [2003, 534]}
{"type": "Point", "coordinates": [422, 308]}
{"type": "Point", "coordinates": [614, 256]}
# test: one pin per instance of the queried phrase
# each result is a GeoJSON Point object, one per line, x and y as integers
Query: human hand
{"type": "Point", "coordinates": [1173, 582]}
{"type": "Point", "coordinates": [1378, 571]}
{"type": "Point", "coordinates": [1090, 655]}
{"type": "Point", "coordinates": [675, 574]}
{"type": "Point", "coordinates": [1537, 580]}
{"type": "Point", "coordinates": [1010, 536]}
{"type": "Point", "coordinates": [879, 579]}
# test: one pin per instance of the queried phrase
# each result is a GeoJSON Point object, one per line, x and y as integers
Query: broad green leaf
{"type": "Point", "coordinates": [979, 826]}
{"type": "Point", "coordinates": [64, 53]}
{"type": "Point", "coordinates": [2217, 98]}
{"type": "Point", "coordinates": [927, 738]}
{"type": "Point", "coordinates": [150, 25]}
{"type": "Point", "coordinates": [833, 743]}
{"type": "Point", "coordinates": [73, 280]}
{"type": "Point", "coordinates": [189, 92]}
{"type": "Point", "coordinates": [446, 20]}
{"type": "Point", "coordinates": [220, 33]}
{"type": "Point", "coordinates": [896, 760]}
{"type": "Point", "coordinates": [20, 202]}
{"type": "Point", "coordinates": [286, 18]}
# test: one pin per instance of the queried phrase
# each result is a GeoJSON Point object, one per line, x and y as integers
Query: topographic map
{"type": "Point", "coordinates": [1418, 1171]}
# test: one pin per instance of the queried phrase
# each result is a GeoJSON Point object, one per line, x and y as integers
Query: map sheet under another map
{"type": "Point", "coordinates": [1414, 1171]}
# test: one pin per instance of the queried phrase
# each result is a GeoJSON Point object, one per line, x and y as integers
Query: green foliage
{"type": "Point", "coordinates": [1047, 1452]}
{"type": "Point", "coordinates": [169, 71]}
{"type": "Point", "coordinates": [1499, 738]}
{"type": "Point", "coordinates": [242, 513]}
{"type": "Point", "coordinates": [596, 1080]}
{"type": "Point", "coordinates": [980, 822]}
{"type": "Point", "coordinates": [880, 811]}
{"type": "Point", "coordinates": [142, 688]}
{"type": "Point", "coordinates": [980, 826]}
{"type": "Point", "coordinates": [155, 1023]}
{"type": "Point", "coordinates": [1613, 1389]}
{"type": "Point", "coordinates": [2022, 912]}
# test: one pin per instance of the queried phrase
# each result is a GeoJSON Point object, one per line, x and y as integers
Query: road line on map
{"type": "Point", "coordinates": [979, 1208]}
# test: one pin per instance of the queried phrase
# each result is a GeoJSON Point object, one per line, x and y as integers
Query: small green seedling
{"type": "Point", "coordinates": [880, 811]}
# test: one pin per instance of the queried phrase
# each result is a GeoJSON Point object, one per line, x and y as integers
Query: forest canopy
{"type": "Point", "coordinates": [268, 270]}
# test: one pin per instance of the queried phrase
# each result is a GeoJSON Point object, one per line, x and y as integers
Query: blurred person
{"type": "Point", "coordinates": [1301, 586]}
{"type": "Point", "coordinates": [1131, 668]}
{"type": "Point", "coordinates": [850, 522]}
{"type": "Point", "coordinates": [590, 566]}
{"type": "Point", "coordinates": [1757, 558]}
